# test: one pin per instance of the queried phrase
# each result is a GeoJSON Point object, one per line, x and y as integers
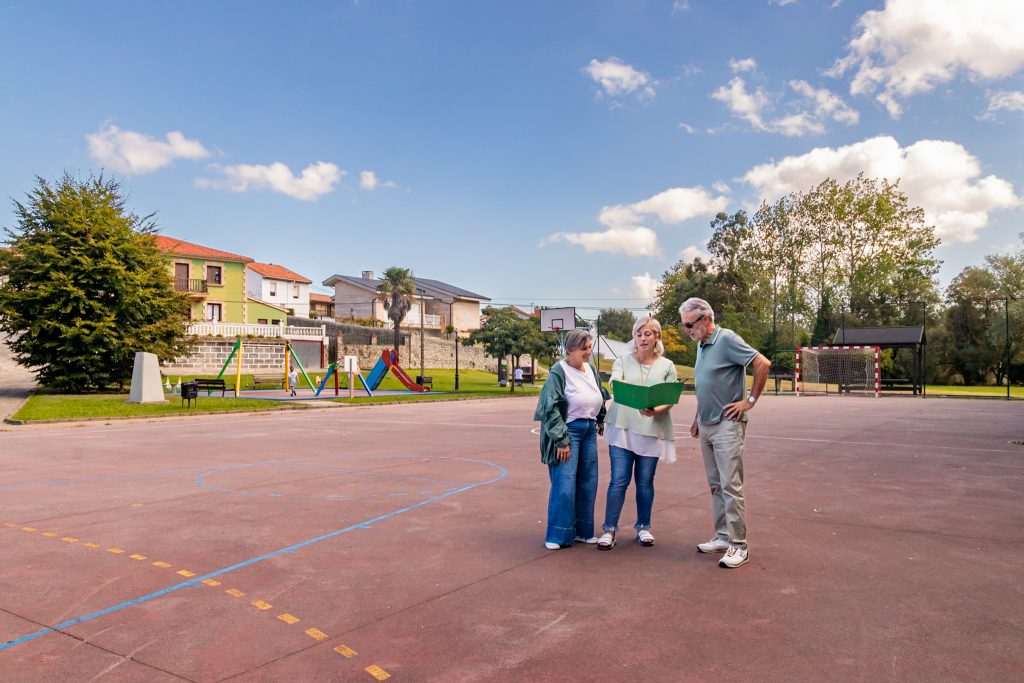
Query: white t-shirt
{"type": "Point", "coordinates": [582, 393]}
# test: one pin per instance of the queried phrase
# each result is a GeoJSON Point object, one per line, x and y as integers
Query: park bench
{"type": "Point", "coordinates": [210, 385]}
{"type": "Point", "coordinates": [897, 384]}
{"type": "Point", "coordinates": [276, 381]}
{"type": "Point", "coordinates": [425, 381]}
{"type": "Point", "coordinates": [780, 373]}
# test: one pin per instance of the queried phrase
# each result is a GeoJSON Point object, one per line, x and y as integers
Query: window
{"type": "Point", "coordinates": [275, 321]}
{"type": "Point", "coordinates": [273, 289]}
{"type": "Point", "coordinates": [213, 275]}
{"type": "Point", "coordinates": [295, 291]}
{"type": "Point", "coordinates": [213, 312]}
{"type": "Point", "coordinates": [261, 321]}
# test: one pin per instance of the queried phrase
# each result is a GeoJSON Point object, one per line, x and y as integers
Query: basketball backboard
{"type": "Point", "coordinates": [557, 319]}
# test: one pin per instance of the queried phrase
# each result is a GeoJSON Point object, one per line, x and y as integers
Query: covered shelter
{"type": "Point", "coordinates": [910, 337]}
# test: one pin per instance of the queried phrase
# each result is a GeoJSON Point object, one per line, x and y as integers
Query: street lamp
{"type": "Point", "coordinates": [423, 372]}
{"type": "Point", "coordinates": [451, 304]}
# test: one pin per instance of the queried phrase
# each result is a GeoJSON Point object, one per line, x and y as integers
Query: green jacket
{"type": "Point", "coordinates": [552, 410]}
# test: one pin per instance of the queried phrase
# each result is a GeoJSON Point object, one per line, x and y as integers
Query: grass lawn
{"type": "Point", "coordinates": [472, 384]}
{"type": "Point", "coordinates": [956, 390]}
{"type": "Point", "coordinates": [68, 407]}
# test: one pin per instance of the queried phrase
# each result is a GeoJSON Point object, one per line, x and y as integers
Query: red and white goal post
{"type": "Point", "coordinates": [850, 368]}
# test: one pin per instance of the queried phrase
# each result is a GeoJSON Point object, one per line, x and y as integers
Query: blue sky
{"type": "Point", "coordinates": [556, 153]}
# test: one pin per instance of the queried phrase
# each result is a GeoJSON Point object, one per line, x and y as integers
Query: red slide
{"type": "Point", "coordinates": [392, 362]}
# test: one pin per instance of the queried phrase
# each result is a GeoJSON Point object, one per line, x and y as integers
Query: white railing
{"type": "Point", "coordinates": [215, 329]}
{"type": "Point", "coordinates": [429, 320]}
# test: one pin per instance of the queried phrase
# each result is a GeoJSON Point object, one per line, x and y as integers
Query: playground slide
{"type": "Point", "coordinates": [379, 371]}
{"type": "Point", "coordinates": [392, 362]}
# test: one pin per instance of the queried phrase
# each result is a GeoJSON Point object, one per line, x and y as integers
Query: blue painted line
{"type": "Point", "coordinates": [220, 572]}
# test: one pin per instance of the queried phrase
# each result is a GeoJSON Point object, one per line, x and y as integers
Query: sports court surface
{"type": "Point", "coordinates": [887, 541]}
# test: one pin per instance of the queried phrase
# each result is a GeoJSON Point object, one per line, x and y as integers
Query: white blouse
{"type": "Point", "coordinates": [582, 393]}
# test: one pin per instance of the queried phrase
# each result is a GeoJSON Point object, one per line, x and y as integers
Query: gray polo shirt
{"type": "Point", "coordinates": [719, 373]}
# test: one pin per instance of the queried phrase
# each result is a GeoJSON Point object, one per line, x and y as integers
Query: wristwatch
{"type": "Point", "coordinates": [751, 399]}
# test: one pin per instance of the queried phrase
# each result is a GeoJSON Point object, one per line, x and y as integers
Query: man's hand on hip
{"type": "Point", "coordinates": [733, 411]}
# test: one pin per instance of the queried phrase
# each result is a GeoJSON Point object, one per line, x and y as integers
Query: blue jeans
{"type": "Point", "coordinates": [624, 464]}
{"type": "Point", "coordinates": [574, 487]}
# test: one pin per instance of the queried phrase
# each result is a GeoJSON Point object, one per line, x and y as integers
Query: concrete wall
{"type": "Point", "coordinates": [353, 301]}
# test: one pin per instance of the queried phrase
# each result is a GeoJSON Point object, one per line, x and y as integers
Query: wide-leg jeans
{"type": "Point", "coordinates": [574, 487]}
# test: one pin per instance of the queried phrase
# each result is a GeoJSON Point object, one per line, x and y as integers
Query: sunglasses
{"type": "Point", "coordinates": [689, 326]}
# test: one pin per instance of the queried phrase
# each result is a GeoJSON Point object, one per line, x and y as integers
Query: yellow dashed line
{"type": "Point", "coordinates": [316, 634]}
{"type": "Point", "coordinates": [137, 557]}
{"type": "Point", "coordinates": [162, 565]}
{"type": "Point", "coordinates": [345, 651]}
{"type": "Point", "coordinates": [29, 528]}
{"type": "Point", "coordinates": [210, 582]}
{"type": "Point", "coordinates": [51, 534]}
{"type": "Point", "coordinates": [136, 505]}
{"type": "Point", "coordinates": [234, 592]}
{"type": "Point", "coordinates": [186, 573]}
{"type": "Point", "coordinates": [10, 525]}
{"type": "Point", "coordinates": [377, 672]}
{"type": "Point", "coordinates": [91, 545]}
{"type": "Point", "coordinates": [70, 539]}
{"type": "Point", "coordinates": [288, 619]}
{"type": "Point", "coordinates": [259, 604]}
{"type": "Point", "coordinates": [116, 551]}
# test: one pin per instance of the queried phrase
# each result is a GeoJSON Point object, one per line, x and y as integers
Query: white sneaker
{"type": "Point", "coordinates": [551, 546]}
{"type": "Point", "coordinates": [734, 557]}
{"type": "Point", "coordinates": [589, 541]}
{"type": "Point", "coordinates": [715, 545]}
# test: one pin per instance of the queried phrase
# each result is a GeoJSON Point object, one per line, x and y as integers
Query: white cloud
{"type": "Point", "coordinates": [815, 106]}
{"type": "Point", "coordinates": [738, 65]}
{"type": "Point", "coordinates": [316, 180]}
{"type": "Point", "coordinates": [626, 232]}
{"type": "Point", "coordinates": [680, 6]}
{"type": "Point", "coordinates": [368, 180]}
{"type": "Point", "coordinates": [824, 103]}
{"type": "Point", "coordinates": [618, 78]}
{"type": "Point", "coordinates": [132, 153]}
{"type": "Point", "coordinates": [632, 241]}
{"type": "Point", "coordinates": [911, 46]}
{"type": "Point", "coordinates": [720, 187]}
{"type": "Point", "coordinates": [781, 3]}
{"type": "Point", "coordinates": [688, 128]}
{"type": "Point", "coordinates": [940, 176]}
{"type": "Point", "coordinates": [645, 287]}
{"type": "Point", "coordinates": [693, 251]}
{"type": "Point", "coordinates": [743, 104]}
{"type": "Point", "coordinates": [1012, 100]}
{"type": "Point", "coordinates": [678, 204]}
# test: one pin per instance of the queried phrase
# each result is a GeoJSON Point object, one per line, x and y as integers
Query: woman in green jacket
{"type": "Point", "coordinates": [571, 412]}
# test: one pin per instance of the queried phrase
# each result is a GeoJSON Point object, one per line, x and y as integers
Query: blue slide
{"type": "Point", "coordinates": [378, 373]}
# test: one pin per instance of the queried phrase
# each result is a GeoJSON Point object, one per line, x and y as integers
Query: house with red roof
{"type": "Point", "coordinates": [215, 282]}
{"type": "Point", "coordinates": [279, 286]}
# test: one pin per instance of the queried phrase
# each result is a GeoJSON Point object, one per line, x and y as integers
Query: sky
{"type": "Point", "coordinates": [537, 153]}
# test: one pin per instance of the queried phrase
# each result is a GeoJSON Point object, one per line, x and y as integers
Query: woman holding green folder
{"type": "Point", "coordinates": [638, 439]}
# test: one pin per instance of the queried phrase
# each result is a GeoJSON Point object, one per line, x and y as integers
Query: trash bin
{"type": "Point", "coordinates": [190, 391]}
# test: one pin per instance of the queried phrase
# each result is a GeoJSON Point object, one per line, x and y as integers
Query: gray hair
{"type": "Point", "coordinates": [699, 305]}
{"type": "Point", "coordinates": [576, 339]}
{"type": "Point", "coordinates": [659, 348]}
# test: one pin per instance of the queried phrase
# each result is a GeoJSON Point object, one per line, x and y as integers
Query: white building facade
{"type": "Point", "coordinates": [278, 285]}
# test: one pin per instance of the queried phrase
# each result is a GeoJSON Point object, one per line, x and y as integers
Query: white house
{"type": "Point", "coordinates": [278, 285]}
{"type": "Point", "coordinates": [444, 304]}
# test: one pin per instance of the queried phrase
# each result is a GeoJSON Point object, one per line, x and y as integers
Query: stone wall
{"type": "Point", "coordinates": [265, 355]}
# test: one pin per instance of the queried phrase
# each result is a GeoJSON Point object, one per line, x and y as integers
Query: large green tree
{"type": "Point", "coordinates": [503, 333]}
{"type": "Point", "coordinates": [86, 287]}
{"type": "Point", "coordinates": [398, 287]}
{"type": "Point", "coordinates": [616, 323]}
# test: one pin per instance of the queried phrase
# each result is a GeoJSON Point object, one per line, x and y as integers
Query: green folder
{"type": "Point", "coordinates": [644, 398]}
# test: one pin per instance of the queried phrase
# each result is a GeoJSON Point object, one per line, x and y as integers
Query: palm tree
{"type": "Point", "coordinates": [398, 287]}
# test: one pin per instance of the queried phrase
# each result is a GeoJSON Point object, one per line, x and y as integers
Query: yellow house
{"type": "Point", "coordinates": [215, 283]}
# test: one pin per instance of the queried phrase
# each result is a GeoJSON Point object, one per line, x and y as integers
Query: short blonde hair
{"type": "Point", "coordinates": [659, 348]}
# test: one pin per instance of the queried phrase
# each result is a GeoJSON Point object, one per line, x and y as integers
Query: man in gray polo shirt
{"type": "Point", "coordinates": [721, 422]}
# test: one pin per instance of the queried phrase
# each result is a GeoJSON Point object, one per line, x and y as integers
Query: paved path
{"type": "Point", "coordinates": [15, 382]}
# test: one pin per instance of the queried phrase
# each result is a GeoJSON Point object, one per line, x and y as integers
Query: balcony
{"type": "Point", "coordinates": [429, 320]}
{"type": "Point", "coordinates": [190, 285]}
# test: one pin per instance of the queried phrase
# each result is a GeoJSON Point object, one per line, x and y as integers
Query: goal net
{"type": "Point", "coordinates": [837, 369]}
